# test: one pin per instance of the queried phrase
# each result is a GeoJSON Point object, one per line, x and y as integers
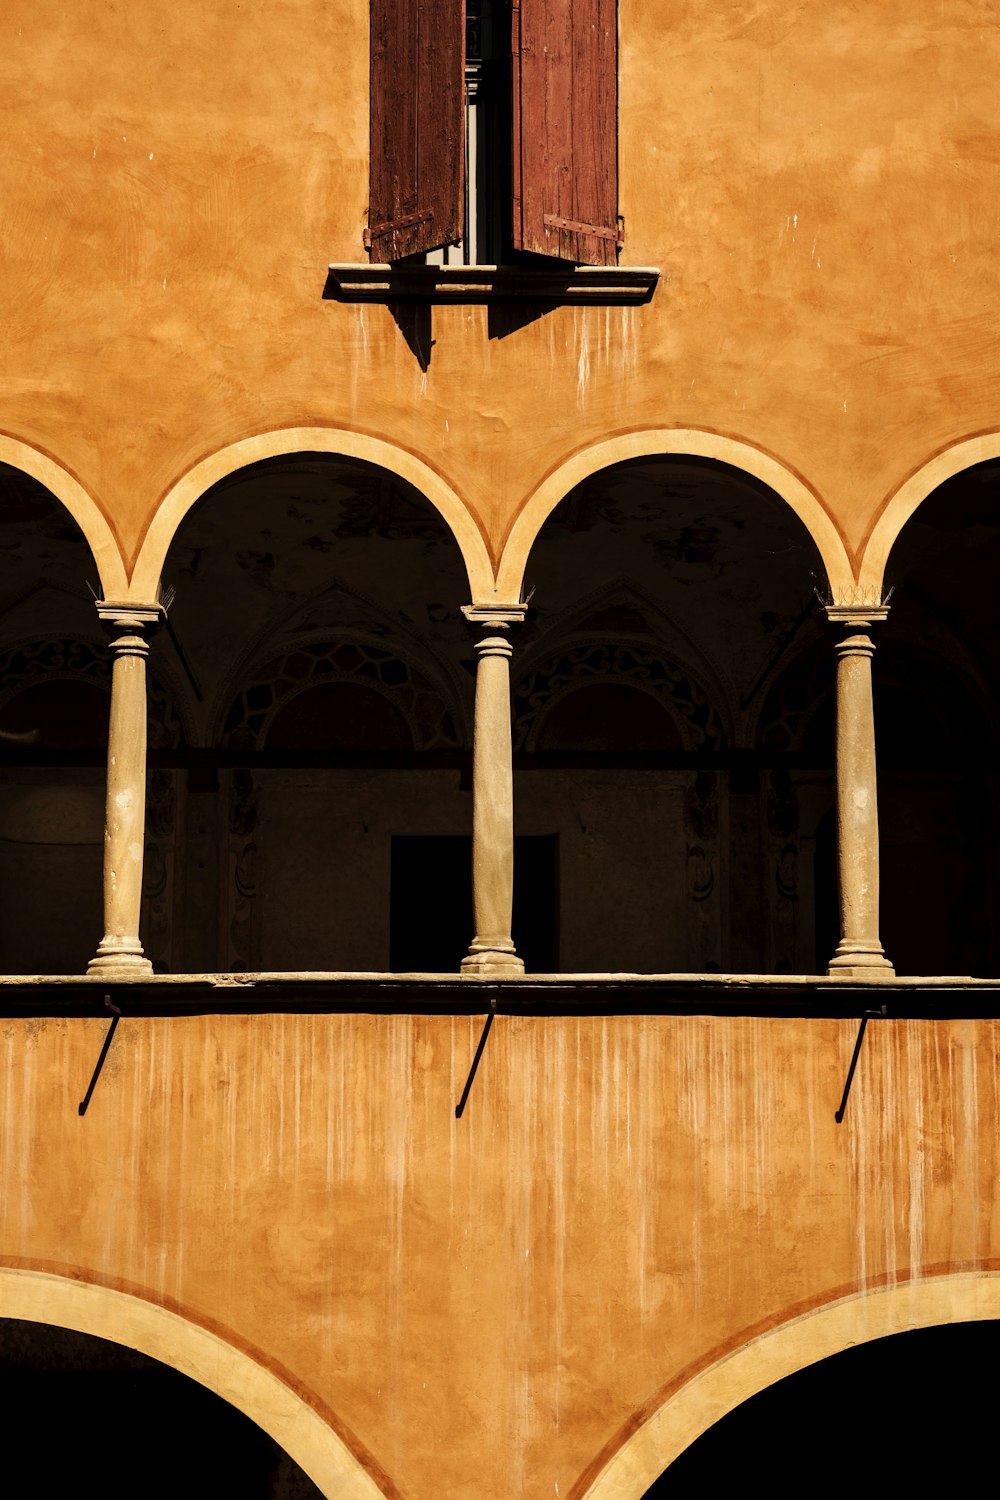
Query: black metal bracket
{"type": "Point", "coordinates": [882, 1011]}
{"type": "Point", "coordinates": [116, 1016]}
{"type": "Point", "coordinates": [460, 1106]}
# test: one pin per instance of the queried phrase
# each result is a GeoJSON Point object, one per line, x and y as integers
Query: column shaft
{"type": "Point", "coordinates": [120, 951]}
{"type": "Point", "coordinates": [859, 950]}
{"type": "Point", "coordinates": [492, 948]}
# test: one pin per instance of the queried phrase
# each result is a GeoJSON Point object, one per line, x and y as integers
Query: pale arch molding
{"type": "Point", "coordinates": [283, 442]}
{"type": "Point", "coordinates": [652, 442]}
{"type": "Point", "coordinates": [964, 1298]}
{"type": "Point", "coordinates": [81, 505]}
{"type": "Point", "coordinates": [37, 1297]}
{"type": "Point", "coordinates": [910, 495]}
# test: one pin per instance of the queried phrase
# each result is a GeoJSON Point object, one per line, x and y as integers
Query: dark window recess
{"type": "Point", "coordinates": [494, 130]}
{"type": "Point", "coordinates": [430, 913]}
{"type": "Point", "coordinates": [487, 229]}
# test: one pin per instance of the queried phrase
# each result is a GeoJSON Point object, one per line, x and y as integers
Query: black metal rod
{"type": "Point", "coordinates": [460, 1106]}
{"type": "Point", "coordinates": [100, 1061]}
{"type": "Point", "coordinates": [839, 1116]}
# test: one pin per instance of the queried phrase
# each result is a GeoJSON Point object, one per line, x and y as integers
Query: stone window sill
{"type": "Point", "coordinates": [600, 286]}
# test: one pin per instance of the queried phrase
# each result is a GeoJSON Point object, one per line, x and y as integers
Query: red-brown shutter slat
{"type": "Point", "coordinates": [417, 169]}
{"type": "Point", "coordinates": [565, 79]}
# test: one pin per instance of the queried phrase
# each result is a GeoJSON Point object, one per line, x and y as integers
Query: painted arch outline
{"type": "Point", "coordinates": [140, 583]}
{"type": "Point", "coordinates": [284, 442]}
{"type": "Point", "coordinates": [686, 1413]}
{"type": "Point", "coordinates": [690, 442]}
{"type": "Point", "coordinates": [903, 502]}
{"type": "Point", "coordinates": [195, 1351]}
{"type": "Point", "coordinates": [81, 505]}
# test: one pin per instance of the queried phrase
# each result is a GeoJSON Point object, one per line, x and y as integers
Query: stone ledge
{"type": "Point", "coordinates": [570, 285]}
{"type": "Point", "coordinates": [802, 995]}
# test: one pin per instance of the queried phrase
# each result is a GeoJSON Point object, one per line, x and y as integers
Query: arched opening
{"type": "Point", "coordinates": [668, 593]}
{"type": "Point", "coordinates": [937, 717]}
{"type": "Point", "coordinates": [692, 443]}
{"type": "Point", "coordinates": [94, 1416]}
{"type": "Point", "coordinates": [318, 617]}
{"type": "Point", "coordinates": [55, 681]}
{"type": "Point", "coordinates": [608, 717]}
{"type": "Point", "coordinates": [913, 1409]}
{"type": "Point", "coordinates": [339, 716]}
{"type": "Point", "coordinates": [278, 443]}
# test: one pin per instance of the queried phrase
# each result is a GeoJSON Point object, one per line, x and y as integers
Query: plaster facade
{"type": "Point", "coordinates": [531, 586]}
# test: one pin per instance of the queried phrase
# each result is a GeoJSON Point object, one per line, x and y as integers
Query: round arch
{"type": "Point", "coordinates": [81, 505]}
{"type": "Point", "coordinates": [87, 1307]}
{"type": "Point", "coordinates": [857, 1319]}
{"type": "Point", "coordinates": [901, 504]}
{"type": "Point", "coordinates": [651, 442]}
{"type": "Point", "coordinates": [336, 441]}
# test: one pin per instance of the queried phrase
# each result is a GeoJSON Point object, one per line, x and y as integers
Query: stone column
{"type": "Point", "coordinates": [859, 951]}
{"type": "Point", "coordinates": [119, 954]}
{"type": "Point", "coordinates": [492, 949]}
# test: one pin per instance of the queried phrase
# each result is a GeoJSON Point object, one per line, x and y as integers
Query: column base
{"type": "Point", "coordinates": [497, 959]}
{"type": "Point", "coordinates": [120, 958]}
{"type": "Point", "coordinates": [860, 961]}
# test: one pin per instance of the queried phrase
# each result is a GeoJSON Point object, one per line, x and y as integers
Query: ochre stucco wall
{"type": "Point", "coordinates": [818, 185]}
{"type": "Point", "coordinates": [486, 1304]}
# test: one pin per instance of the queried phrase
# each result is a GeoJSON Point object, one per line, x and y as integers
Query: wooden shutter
{"type": "Point", "coordinates": [565, 79]}
{"type": "Point", "coordinates": [417, 172]}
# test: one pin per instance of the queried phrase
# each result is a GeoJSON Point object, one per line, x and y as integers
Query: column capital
{"type": "Point", "coordinates": [496, 616]}
{"type": "Point", "coordinates": [858, 609]}
{"type": "Point", "coordinates": [130, 614]}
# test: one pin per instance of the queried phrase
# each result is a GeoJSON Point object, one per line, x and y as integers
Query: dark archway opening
{"type": "Point", "coordinates": [318, 609]}
{"type": "Point", "coordinates": [913, 1410]}
{"type": "Point", "coordinates": [937, 714]}
{"type": "Point", "coordinates": [54, 697]}
{"type": "Point", "coordinates": [668, 594]}
{"type": "Point", "coordinates": [89, 1417]}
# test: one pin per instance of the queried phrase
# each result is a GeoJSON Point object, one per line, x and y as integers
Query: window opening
{"type": "Point", "coordinates": [493, 130]}
{"type": "Point", "coordinates": [487, 236]}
